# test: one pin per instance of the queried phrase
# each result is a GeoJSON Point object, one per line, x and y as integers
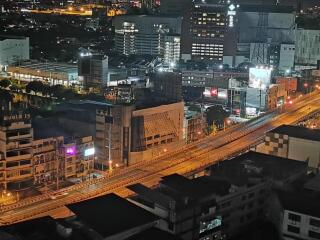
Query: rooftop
{"type": "Point", "coordinates": [301, 203]}
{"type": "Point", "coordinates": [154, 234]}
{"type": "Point", "coordinates": [35, 229]}
{"type": "Point", "coordinates": [4, 37]}
{"type": "Point", "coordinates": [49, 67]}
{"type": "Point", "coordinates": [267, 8]}
{"type": "Point", "coordinates": [241, 169]}
{"type": "Point", "coordinates": [110, 214]}
{"type": "Point", "coordinates": [298, 132]}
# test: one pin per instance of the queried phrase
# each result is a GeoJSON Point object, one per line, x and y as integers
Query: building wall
{"type": "Point", "coordinates": [14, 50]}
{"type": "Point", "coordinates": [303, 149]}
{"type": "Point", "coordinates": [207, 31]}
{"type": "Point", "coordinates": [292, 148]}
{"type": "Point", "coordinates": [197, 78]}
{"type": "Point", "coordinates": [298, 226]}
{"type": "Point", "coordinates": [157, 130]}
{"type": "Point", "coordinates": [16, 163]}
{"type": "Point", "coordinates": [141, 34]}
{"type": "Point", "coordinates": [307, 46]}
{"type": "Point", "coordinates": [242, 207]}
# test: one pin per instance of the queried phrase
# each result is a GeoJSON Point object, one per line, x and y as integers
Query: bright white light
{"type": "Point", "coordinates": [220, 66]}
{"type": "Point", "coordinates": [288, 71]}
{"type": "Point", "coordinates": [89, 152]}
{"type": "Point", "coordinates": [172, 65]}
{"type": "Point", "coordinates": [160, 69]}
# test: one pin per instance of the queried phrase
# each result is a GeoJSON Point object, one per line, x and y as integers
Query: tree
{"type": "Point", "coordinates": [35, 86]}
{"type": "Point", "coordinates": [5, 96]}
{"type": "Point", "coordinates": [4, 83]}
{"type": "Point", "coordinates": [216, 115]}
{"type": "Point", "coordinates": [58, 91]}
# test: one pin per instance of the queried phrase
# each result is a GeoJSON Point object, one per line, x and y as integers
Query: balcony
{"type": "Point", "coordinates": [19, 157]}
{"type": "Point", "coordinates": [16, 145]}
{"type": "Point", "coordinates": [29, 135]}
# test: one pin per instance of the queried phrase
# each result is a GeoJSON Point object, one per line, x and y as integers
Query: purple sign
{"type": "Point", "coordinates": [71, 150]}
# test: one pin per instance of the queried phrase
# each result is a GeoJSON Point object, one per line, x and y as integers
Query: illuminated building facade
{"type": "Point", "coordinates": [207, 29]}
{"type": "Point", "coordinates": [144, 35]}
{"type": "Point", "coordinates": [16, 163]}
{"type": "Point", "coordinates": [26, 161]}
{"type": "Point", "coordinates": [93, 69]}
{"type": "Point", "coordinates": [172, 49]}
{"type": "Point", "coordinates": [13, 49]}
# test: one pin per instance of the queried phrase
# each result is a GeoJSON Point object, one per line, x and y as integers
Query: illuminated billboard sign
{"type": "Point", "coordinates": [89, 152]}
{"type": "Point", "coordinates": [259, 77]}
{"type": "Point", "coordinates": [222, 93]}
{"type": "Point", "coordinates": [210, 92]}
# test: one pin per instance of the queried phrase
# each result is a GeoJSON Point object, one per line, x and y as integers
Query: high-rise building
{"type": "Point", "coordinates": [144, 35]}
{"type": "Point", "coordinates": [172, 49]}
{"type": "Point", "coordinates": [93, 68]}
{"type": "Point", "coordinates": [205, 31]}
{"type": "Point", "coordinates": [13, 49]}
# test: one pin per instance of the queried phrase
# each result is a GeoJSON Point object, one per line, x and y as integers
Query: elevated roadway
{"type": "Point", "coordinates": [187, 160]}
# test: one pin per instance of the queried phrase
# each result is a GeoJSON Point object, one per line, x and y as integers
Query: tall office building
{"type": "Point", "coordinates": [93, 68]}
{"type": "Point", "coordinates": [204, 31]}
{"type": "Point", "coordinates": [144, 35]}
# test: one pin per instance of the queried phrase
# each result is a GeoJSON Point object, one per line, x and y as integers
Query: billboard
{"type": "Point", "coordinates": [88, 152]}
{"type": "Point", "coordinates": [222, 93]}
{"type": "Point", "coordinates": [210, 92]}
{"type": "Point", "coordinates": [259, 77]}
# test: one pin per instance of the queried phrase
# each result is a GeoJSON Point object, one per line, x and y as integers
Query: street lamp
{"type": "Point", "coordinates": [226, 123]}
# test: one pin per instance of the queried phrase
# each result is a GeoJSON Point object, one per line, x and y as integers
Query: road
{"type": "Point", "coordinates": [187, 160]}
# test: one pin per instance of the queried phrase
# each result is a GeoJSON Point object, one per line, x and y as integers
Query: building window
{"type": "Point", "coordinates": [293, 229]}
{"type": "Point", "coordinates": [315, 235]}
{"type": "Point", "coordinates": [294, 217]}
{"type": "Point", "coordinates": [315, 222]}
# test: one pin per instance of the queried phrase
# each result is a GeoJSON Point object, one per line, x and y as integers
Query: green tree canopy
{"type": "Point", "coordinates": [4, 83]}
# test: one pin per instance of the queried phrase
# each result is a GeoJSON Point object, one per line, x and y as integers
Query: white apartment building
{"type": "Point", "coordinates": [13, 49]}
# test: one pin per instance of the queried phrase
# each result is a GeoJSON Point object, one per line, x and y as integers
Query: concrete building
{"type": "Point", "coordinates": [29, 160]}
{"type": "Point", "coordinates": [251, 175]}
{"type": "Point", "coordinates": [197, 78]}
{"type": "Point", "coordinates": [13, 49]}
{"type": "Point", "coordinates": [156, 130]}
{"type": "Point", "coordinates": [307, 47]}
{"type": "Point", "coordinates": [16, 135]}
{"type": "Point", "coordinates": [171, 49]}
{"type": "Point", "coordinates": [167, 86]}
{"type": "Point", "coordinates": [47, 160]}
{"type": "Point", "coordinates": [144, 35]}
{"type": "Point", "coordinates": [205, 31]}
{"type": "Point", "coordinates": [266, 35]}
{"type": "Point", "coordinates": [49, 72]}
{"type": "Point", "coordinates": [223, 205]}
{"type": "Point", "coordinates": [93, 69]}
{"type": "Point", "coordinates": [193, 126]}
{"type": "Point", "coordinates": [186, 208]}
{"type": "Point", "coordinates": [174, 7]}
{"type": "Point", "coordinates": [300, 216]}
{"type": "Point", "coordinates": [277, 96]}
{"type": "Point", "coordinates": [125, 133]}
{"type": "Point", "coordinates": [293, 142]}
